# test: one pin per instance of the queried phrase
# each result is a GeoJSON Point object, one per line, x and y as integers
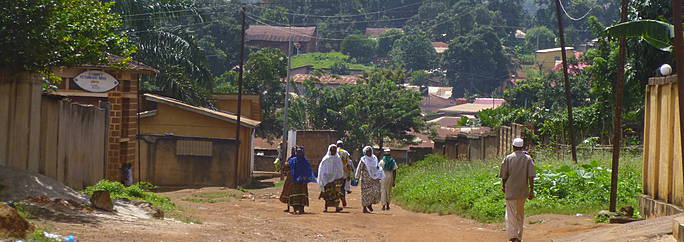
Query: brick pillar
{"type": "Point", "coordinates": [113, 158]}
{"type": "Point", "coordinates": [123, 128]}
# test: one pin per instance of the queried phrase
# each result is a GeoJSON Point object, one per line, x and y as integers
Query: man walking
{"type": "Point", "coordinates": [517, 178]}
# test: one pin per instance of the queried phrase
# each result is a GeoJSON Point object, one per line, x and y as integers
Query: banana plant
{"type": "Point", "coordinates": [658, 34]}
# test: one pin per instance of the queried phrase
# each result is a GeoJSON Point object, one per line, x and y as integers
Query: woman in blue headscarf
{"type": "Point", "coordinates": [299, 173]}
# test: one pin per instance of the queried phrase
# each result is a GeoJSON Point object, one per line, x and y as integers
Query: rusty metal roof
{"type": "Point", "coordinates": [280, 34]}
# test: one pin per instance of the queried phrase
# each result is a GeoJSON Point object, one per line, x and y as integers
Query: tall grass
{"type": "Point", "coordinates": [472, 188]}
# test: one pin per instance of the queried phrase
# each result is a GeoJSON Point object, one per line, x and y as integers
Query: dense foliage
{"type": "Point", "coordinates": [414, 52]}
{"type": "Point", "coordinates": [359, 47]}
{"type": "Point", "coordinates": [40, 34]}
{"type": "Point", "coordinates": [472, 189]}
{"type": "Point", "coordinates": [361, 112]}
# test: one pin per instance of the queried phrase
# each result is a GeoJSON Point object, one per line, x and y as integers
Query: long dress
{"type": "Point", "coordinates": [387, 183]}
{"type": "Point", "coordinates": [331, 178]}
{"type": "Point", "coordinates": [294, 193]}
{"type": "Point", "coordinates": [370, 188]}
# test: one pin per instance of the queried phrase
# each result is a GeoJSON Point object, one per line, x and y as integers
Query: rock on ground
{"type": "Point", "coordinates": [101, 200]}
{"type": "Point", "coordinates": [11, 224]}
{"type": "Point", "coordinates": [16, 185]}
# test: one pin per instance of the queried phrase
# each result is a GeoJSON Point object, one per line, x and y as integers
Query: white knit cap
{"type": "Point", "coordinates": [518, 142]}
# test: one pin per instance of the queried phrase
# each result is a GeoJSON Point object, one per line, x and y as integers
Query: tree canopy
{"type": "Point", "coordinates": [40, 34]}
{"type": "Point", "coordinates": [414, 52]}
{"type": "Point", "coordinates": [476, 63]}
{"type": "Point", "coordinates": [359, 47]}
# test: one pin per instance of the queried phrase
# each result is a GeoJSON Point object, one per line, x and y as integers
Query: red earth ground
{"type": "Point", "coordinates": [259, 216]}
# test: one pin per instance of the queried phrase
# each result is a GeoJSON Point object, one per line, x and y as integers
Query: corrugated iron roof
{"type": "Point", "coordinates": [280, 34]}
{"type": "Point", "coordinates": [328, 79]}
{"type": "Point", "coordinates": [202, 110]}
{"type": "Point", "coordinates": [468, 108]}
{"type": "Point", "coordinates": [379, 31]}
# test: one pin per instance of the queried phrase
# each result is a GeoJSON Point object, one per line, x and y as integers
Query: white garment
{"type": "Point", "coordinates": [330, 168]}
{"type": "Point", "coordinates": [386, 188]}
{"type": "Point", "coordinates": [372, 166]}
{"type": "Point", "coordinates": [515, 218]}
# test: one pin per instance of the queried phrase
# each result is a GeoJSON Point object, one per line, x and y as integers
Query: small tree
{"type": "Point", "coordinates": [540, 37]}
{"type": "Point", "coordinates": [386, 41]}
{"type": "Point", "coordinates": [264, 71]}
{"type": "Point", "coordinates": [40, 34]}
{"type": "Point", "coordinates": [414, 52]}
{"type": "Point", "coordinates": [359, 47]}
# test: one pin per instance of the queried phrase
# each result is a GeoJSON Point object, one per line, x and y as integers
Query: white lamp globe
{"type": "Point", "coordinates": [665, 70]}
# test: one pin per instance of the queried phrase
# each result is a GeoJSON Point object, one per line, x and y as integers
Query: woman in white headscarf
{"type": "Point", "coordinates": [331, 179]}
{"type": "Point", "coordinates": [370, 174]}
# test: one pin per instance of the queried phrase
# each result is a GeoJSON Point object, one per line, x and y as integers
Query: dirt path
{"type": "Point", "coordinates": [258, 216]}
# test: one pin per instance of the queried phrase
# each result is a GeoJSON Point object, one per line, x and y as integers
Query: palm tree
{"type": "Point", "coordinates": [159, 30]}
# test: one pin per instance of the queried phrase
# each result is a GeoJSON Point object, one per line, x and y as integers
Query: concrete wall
{"type": "Point", "coordinates": [73, 142]}
{"type": "Point", "coordinates": [468, 147]}
{"type": "Point", "coordinates": [251, 107]}
{"type": "Point", "coordinates": [662, 168]}
{"type": "Point", "coordinates": [164, 166]}
{"type": "Point", "coordinates": [316, 144]}
{"type": "Point", "coordinates": [179, 122]}
{"type": "Point", "coordinates": [122, 116]}
{"type": "Point", "coordinates": [20, 96]}
{"type": "Point", "coordinates": [48, 135]}
{"type": "Point", "coordinates": [547, 60]}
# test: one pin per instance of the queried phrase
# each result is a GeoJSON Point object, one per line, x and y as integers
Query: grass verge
{"type": "Point", "coordinates": [324, 60]}
{"type": "Point", "coordinates": [142, 191]}
{"type": "Point", "coordinates": [472, 188]}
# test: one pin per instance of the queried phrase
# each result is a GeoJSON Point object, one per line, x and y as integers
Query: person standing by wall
{"type": "Point", "coordinates": [517, 178]}
{"type": "Point", "coordinates": [389, 168]}
{"type": "Point", "coordinates": [348, 171]}
{"type": "Point", "coordinates": [370, 174]}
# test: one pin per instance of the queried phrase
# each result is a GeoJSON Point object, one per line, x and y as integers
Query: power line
{"type": "Point", "coordinates": [570, 17]}
{"type": "Point", "coordinates": [343, 16]}
{"type": "Point", "coordinates": [352, 22]}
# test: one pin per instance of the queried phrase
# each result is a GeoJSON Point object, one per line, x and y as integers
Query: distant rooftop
{"type": "Point", "coordinates": [554, 50]}
{"type": "Point", "coordinates": [379, 31]}
{"type": "Point", "coordinates": [328, 79]}
{"type": "Point", "coordinates": [280, 34]}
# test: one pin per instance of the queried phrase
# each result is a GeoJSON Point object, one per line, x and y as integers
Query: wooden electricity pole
{"type": "Point", "coordinates": [568, 95]}
{"type": "Point", "coordinates": [679, 55]}
{"type": "Point", "coordinates": [617, 119]}
{"type": "Point", "coordinates": [239, 100]}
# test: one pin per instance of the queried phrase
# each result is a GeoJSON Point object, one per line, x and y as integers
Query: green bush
{"type": "Point", "coordinates": [472, 188]}
{"type": "Point", "coordinates": [140, 190]}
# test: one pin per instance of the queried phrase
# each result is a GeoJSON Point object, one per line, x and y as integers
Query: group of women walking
{"type": "Point", "coordinates": [336, 176]}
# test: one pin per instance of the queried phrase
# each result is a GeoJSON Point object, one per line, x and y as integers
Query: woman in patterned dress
{"type": "Point", "coordinates": [370, 174]}
{"type": "Point", "coordinates": [295, 191]}
{"type": "Point", "coordinates": [331, 179]}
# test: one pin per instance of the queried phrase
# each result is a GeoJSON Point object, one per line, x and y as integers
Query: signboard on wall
{"type": "Point", "coordinates": [96, 81]}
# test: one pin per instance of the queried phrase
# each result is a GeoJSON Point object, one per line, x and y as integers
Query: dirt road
{"type": "Point", "coordinates": [258, 216]}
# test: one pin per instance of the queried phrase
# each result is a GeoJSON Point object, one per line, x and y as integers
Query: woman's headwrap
{"type": "Point", "coordinates": [372, 165]}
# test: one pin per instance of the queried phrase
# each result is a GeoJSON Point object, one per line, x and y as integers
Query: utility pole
{"type": "Point", "coordinates": [283, 148]}
{"type": "Point", "coordinates": [568, 95]}
{"type": "Point", "coordinates": [617, 119]}
{"type": "Point", "coordinates": [239, 100]}
{"type": "Point", "coordinates": [679, 55]}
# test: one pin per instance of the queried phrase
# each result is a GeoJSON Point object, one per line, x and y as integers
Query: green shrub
{"type": "Point", "coordinates": [472, 188]}
{"type": "Point", "coordinates": [140, 190]}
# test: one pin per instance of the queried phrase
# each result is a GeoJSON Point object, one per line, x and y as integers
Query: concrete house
{"type": "Point", "coordinates": [186, 145]}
